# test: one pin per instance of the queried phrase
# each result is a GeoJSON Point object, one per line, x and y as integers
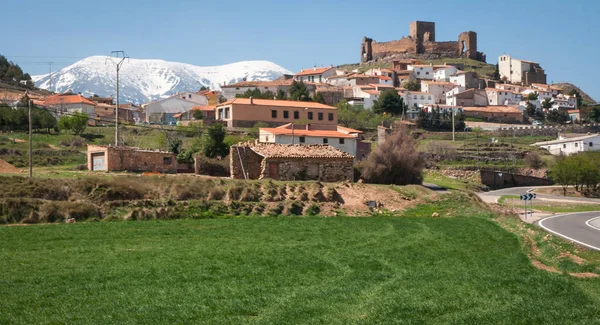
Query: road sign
{"type": "Point", "coordinates": [528, 196]}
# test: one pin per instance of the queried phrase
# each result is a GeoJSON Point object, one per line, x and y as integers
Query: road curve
{"type": "Point", "coordinates": [582, 228]}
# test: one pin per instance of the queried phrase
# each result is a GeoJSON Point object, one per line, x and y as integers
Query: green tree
{"type": "Point", "coordinates": [79, 122]}
{"type": "Point", "coordinates": [563, 173]}
{"type": "Point", "coordinates": [64, 124]}
{"type": "Point", "coordinates": [257, 94]}
{"type": "Point", "coordinates": [204, 88]}
{"type": "Point", "coordinates": [299, 92]}
{"type": "Point", "coordinates": [389, 102]}
{"type": "Point", "coordinates": [281, 95]}
{"type": "Point", "coordinates": [496, 74]}
{"type": "Point", "coordinates": [532, 96]}
{"type": "Point", "coordinates": [557, 116]}
{"type": "Point", "coordinates": [547, 103]}
{"type": "Point", "coordinates": [530, 109]}
{"type": "Point", "coordinates": [412, 85]}
{"type": "Point", "coordinates": [594, 114]}
{"type": "Point", "coordinates": [574, 92]}
{"type": "Point", "coordinates": [171, 141]}
{"type": "Point", "coordinates": [213, 144]}
{"type": "Point", "coordinates": [319, 98]}
{"type": "Point", "coordinates": [255, 129]}
{"type": "Point", "coordinates": [197, 114]}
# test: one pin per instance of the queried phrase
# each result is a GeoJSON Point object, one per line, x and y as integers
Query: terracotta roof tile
{"type": "Point", "coordinates": [274, 150]}
{"type": "Point", "coordinates": [279, 103]}
{"type": "Point", "coordinates": [67, 99]}
{"type": "Point", "coordinates": [311, 71]}
{"type": "Point", "coordinates": [204, 108]}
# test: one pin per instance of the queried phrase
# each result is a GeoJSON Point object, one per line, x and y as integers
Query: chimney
{"type": "Point", "coordinates": [251, 100]}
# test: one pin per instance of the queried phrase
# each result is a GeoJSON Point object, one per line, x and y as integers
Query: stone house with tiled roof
{"type": "Point", "coordinates": [254, 160]}
{"type": "Point", "coordinates": [69, 104]}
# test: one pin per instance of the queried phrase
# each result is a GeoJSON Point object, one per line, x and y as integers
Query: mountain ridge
{"type": "Point", "coordinates": [144, 80]}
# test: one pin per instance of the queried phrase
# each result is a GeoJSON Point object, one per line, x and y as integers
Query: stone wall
{"type": "Point", "coordinates": [548, 130]}
{"type": "Point", "coordinates": [329, 169]}
{"type": "Point", "coordinates": [383, 49]}
{"type": "Point", "coordinates": [133, 159]}
{"type": "Point", "coordinates": [243, 160]}
{"type": "Point", "coordinates": [497, 180]}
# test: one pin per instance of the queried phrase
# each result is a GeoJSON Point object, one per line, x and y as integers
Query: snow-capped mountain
{"type": "Point", "coordinates": [142, 81]}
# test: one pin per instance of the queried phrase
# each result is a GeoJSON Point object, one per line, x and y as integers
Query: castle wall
{"type": "Point", "coordinates": [446, 49]}
{"type": "Point", "coordinates": [404, 45]}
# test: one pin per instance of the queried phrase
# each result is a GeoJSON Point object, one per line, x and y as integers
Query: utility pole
{"type": "Point", "coordinates": [30, 139]}
{"type": "Point", "coordinates": [453, 124]}
{"type": "Point", "coordinates": [122, 56]}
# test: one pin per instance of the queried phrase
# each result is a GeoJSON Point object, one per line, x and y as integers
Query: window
{"type": "Point", "coordinates": [427, 73]}
{"type": "Point", "coordinates": [167, 160]}
{"type": "Point", "coordinates": [330, 116]}
{"type": "Point", "coordinates": [286, 114]}
{"type": "Point", "coordinates": [302, 139]}
{"type": "Point", "coordinates": [320, 116]}
{"type": "Point", "coordinates": [415, 97]}
{"type": "Point", "coordinates": [325, 141]}
{"type": "Point", "coordinates": [564, 145]}
{"type": "Point", "coordinates": [418, 73]}
{"type": "Point", "coordinates": [576, 143]}
{"type": "Point", "coordinates": [274, 114]}
{"type": "Point", "coordinates": [591, 144]}
{"type": "Point", "coordinates": [296, 115]}
{"type": "Point", "coordinates": [429, 97]}
{"type": "Point", "coordinates": [266, 87]}
{"type": "Point", "coordinates": [310, 115]}
{"type": "Point", "coordinates": [237, 88]}
{"type": "Point", "coordinates": [342, 141]}
{"type": "Point", "coordinates": [227, 112]}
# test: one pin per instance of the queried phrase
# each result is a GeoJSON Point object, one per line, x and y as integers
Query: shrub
{"type": "Point", "coordinates": [275, 210]}
{"type": "Point", "coordinates": [533, 160]}
{"type": "Point", "coordinates": [396, 161]}
{"type": "Point", "coordinates": [312, 210]}
{"type": "Point", "coordinates": [295, 208]}
{"type": "Point", "coordinates": [212, 167]}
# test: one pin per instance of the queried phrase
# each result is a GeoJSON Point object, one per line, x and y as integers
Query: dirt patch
{"type": "Point", "coordinates": [355, 196]}
{"type": "Point", "coordinates": [576, 259]}
{"type": "Point", "coordinates": [586, 275]}
{"type": "Point", "coordinates": [542, 266]}
{"type": "Point", "coordinates": [8, 168]}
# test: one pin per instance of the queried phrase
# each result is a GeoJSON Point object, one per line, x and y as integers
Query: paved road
{"type": "Point", "coordinates": [582, 228]}
{"type": "Point", "coordinates": [493, 196]}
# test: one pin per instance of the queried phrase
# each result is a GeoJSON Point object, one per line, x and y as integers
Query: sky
{"type": "Point", "coordinates": [562, 36]}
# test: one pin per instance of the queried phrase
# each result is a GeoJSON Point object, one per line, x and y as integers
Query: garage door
{"type": "Point", "coordinates": [98, 161]}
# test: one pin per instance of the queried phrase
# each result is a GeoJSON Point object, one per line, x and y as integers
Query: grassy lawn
{"type": "Point", "coordinates": [282, 270]}
{"type": "Point", "coordinates": [435, 177]}
{"type": "Point", "coordinates": [549, 206]}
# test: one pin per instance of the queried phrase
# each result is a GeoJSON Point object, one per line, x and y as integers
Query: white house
{"type": "Point", "coordinates": [444, 73]}
{"type": "Point", "coordinates": [417, 98]}
{"type": "Point", "coordinates": [315, 75]}
{"type": "Point", "coordinates": [69, 104]}
{"type": "Point", "coordinates": [554, 90]}
{"type": "Point", "coordinates": [201, 100]}
{"type": "Point", "coordinates": [338, 80]}
{"type": "Point", "coordinates": [365, 96]}
{"type": "Point", "coordinates": [379, 72]}
{"type": "Point", "coordinates": [565, 102]}
{"type": "Point", "coordinates": [438, 89]}
{"type": "Point", "coordinates": [339, 137]}
{"type": "Point", "coordinates": [571, 145]}
{"type": "Point", "coordinates": [163, 111]}
{"type": "Point", "coordinates": [421, 71]}
{"type": "Point", "coordinates": [520, 71]}
{"type": "Point", "coordinates": [385, 80]}
{"type": "Point", "coordinates": [497, 96]}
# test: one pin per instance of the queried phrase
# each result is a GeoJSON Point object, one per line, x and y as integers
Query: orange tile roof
{"type": "Point", "coordinates": [204, 108]}
{"type": "Point", "coordinates": [311, 71]}
{"type": "Point", "coordinates": [255, 84]}
{"type": "Point", "coordinates": [362, 76]}
{"type": "Point", "coordinates": [275, 150]}
{"type": "Point", "coordinates": [444, 83]}
{"type": "Point", "coordinates": [67, 99]}
{"type": "Point", "coordinates": [370, 91]}
{"type": "Point", "coordinates": [280, 103]}
{"type": "Point", "coordinates": [380, 86]}
{"type": "Point", "coordinates": [308, 133]}
{"type": "Point", "coordinates": [384, 78]}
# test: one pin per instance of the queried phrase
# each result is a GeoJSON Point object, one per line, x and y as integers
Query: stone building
{"type": "Point", "coordinates": [254, 160]}
{"type": "Point", "coordinates": [520, 71]}
{"type": "Point", "coordinates": [421, 42]}
{"type": "Point", "coordinates": [110, 158]}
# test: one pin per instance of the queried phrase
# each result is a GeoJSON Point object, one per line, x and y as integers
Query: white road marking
{"type": "Point", "coordinates": [589, 223]}
{"type": "Point", "coordinates": [541, 223]}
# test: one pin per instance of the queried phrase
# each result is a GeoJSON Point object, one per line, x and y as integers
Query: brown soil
{"type": "Point", "coordinates": [355, 195]}
{"type": "Point", "coordinates": [587, 275]}
{"type": "Point", "coordinates": [542, 266]}
{"type": "Point", "coordinates": [8, 168]}
{"type": "Point", "coordinates": [17, 140]}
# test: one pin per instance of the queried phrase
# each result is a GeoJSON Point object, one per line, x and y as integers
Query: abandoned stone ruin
{"type": "Point", "coordinates": [421, 43]}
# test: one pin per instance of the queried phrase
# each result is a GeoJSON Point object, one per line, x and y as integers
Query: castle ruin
{"type": "Point", "coordinates": [421, 43]}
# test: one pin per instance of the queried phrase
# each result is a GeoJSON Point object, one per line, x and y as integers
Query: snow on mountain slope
{"type": "Point", "coordinates": [142, 81]}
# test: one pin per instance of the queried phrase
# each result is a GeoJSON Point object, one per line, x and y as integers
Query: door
{"type": "Point", "coordinates": [98, 161]}
{"type": "Point", "coordinates": [274, 170]}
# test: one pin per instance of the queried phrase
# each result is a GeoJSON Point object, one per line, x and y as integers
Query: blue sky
{"type": "Point", "coordinates": [562, 36]}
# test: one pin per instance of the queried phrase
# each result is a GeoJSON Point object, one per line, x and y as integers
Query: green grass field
{"type": "Point", "coordinates": [381, 270]}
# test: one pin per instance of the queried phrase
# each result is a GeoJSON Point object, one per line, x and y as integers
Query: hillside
{"type": "Point", "coordinates": [567, 87]}
{"type": "Point", "coordinates": [147, 80]}
{"type": "Point", "coordinates": [482, 69]}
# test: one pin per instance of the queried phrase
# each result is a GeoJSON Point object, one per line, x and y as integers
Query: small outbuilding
{"type": "Point", "coordinates": [112, 158]}
{"type": "Point", "coordinates": [254, 160]}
